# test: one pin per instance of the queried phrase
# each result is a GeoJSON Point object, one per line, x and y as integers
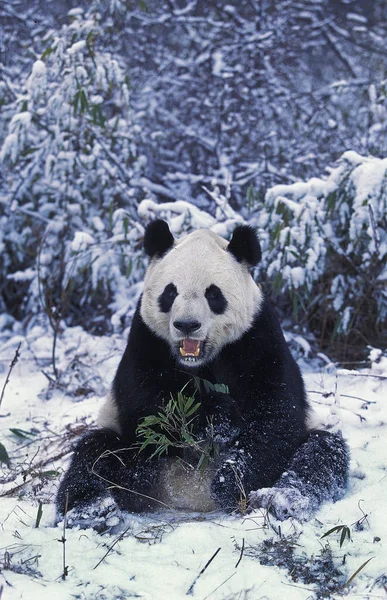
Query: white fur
{"type": "Point", "coordinates": [108, 414]}
{"type": "Point", "coordinates": [195, 262]}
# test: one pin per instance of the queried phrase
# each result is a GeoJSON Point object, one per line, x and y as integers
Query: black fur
{"type": "Point", "coordinates": [157, 239]}
{"type": "Point", "coordinates": [260, 424]}
{"type": "Point", "coordinates": [245, 246]}
{"type": "Point", "coordinates": [216, 300]}
{"type": "Point", "coordinates": [167, 298]}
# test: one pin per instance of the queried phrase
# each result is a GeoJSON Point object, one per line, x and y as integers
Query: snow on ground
{"type": "Point", "coordinates": [161, 556]}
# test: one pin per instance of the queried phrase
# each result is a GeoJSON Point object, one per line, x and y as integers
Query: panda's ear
{"type": "Point", "coordinates": [157, 239]}
{"type": "Point", "coordinates": [245, 246]}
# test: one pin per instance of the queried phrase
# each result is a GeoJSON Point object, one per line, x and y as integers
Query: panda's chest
{"type": "Point", "coordinates": [183, 487]}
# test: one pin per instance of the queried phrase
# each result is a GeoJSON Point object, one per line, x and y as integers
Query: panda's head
{"type": "Point", "coordinates": [198, 293]}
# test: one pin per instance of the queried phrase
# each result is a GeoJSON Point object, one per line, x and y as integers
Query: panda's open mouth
{"type": "Point", "coordinates": [190, 350]}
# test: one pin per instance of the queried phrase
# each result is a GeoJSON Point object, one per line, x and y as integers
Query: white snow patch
{"type": "Point", "coordinates": [81, 241]}
{"type": "Point", "coordinates": [77, 47]}
{"type": "Point", "coordinates": [160, 555]}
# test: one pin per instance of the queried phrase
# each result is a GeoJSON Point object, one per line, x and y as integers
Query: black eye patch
{"type": "Point", "coordinates": [216, 301]}
{"type": "Point", "coordinates": [167, 298]}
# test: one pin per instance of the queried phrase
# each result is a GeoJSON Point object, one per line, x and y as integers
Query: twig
{"type": "Point", "coordinates": [190, 591]}
{"type": "Point", "coordinates": [13, 363]}
{"type": "Point", "coordinates": [327, 394]}
{"type": "Point", "coordinates": [241, 554]}
{"type": "Point", "coordinates": [219, 586]}
{"type": "Point", "coordinates": [63, 540]}
{"type": "Point", "coordinates": [112, 546]}
{"type": "Point", "coordinates": [358, 398]}
{"type": "Point", "coordinates": [353, 374]}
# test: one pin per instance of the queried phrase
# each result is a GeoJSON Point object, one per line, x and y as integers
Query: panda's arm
{"type": "Point", "coordinates": [317, 472]}
{"type": "Point", "coordinates": [219, 417]}
{"type": "Point", "coordinates": [256, 459]}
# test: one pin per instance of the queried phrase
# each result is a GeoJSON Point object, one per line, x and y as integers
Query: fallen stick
{"type": "Point", "coordinates": [190, 591]}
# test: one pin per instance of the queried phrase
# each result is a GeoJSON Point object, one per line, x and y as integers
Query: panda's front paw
{"type": "Point", "coordinates": [223, 420]}
{"type": "Point", "coordinates": [282, 502]}
{"type": "Point", "coordinates": [227, 487]}
{"type": "Point", "coordinates": [102, 516]}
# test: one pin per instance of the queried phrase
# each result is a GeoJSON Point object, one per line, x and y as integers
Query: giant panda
{"type": "Point", "coordinates": [202, 317]}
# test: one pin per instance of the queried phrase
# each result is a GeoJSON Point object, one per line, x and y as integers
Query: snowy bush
{"type": "Point", "coordinates": [325, 248]}
{"type": "Point", "coordinates": [67, 210]}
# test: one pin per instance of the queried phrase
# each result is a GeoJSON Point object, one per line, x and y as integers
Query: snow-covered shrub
{"type": "Point", "coordinates": [325, 249]}
{"type": "Point", "coordinates": [67, 211]}
{"type": "Point", "coordinates": [184, 217]}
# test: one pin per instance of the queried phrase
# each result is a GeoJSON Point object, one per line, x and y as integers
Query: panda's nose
{"type": "Point", "coordinates": [187, 327]}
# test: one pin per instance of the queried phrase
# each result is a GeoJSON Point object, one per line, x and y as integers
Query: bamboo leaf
{"type": "Point", "coordinates": [193, 409]}
{"type": "Point", "coordinates": [337, 528]}
{"type": "Point", "coordinates": [22, 433]}
{"type": "Point", "coordinates": [357, 572]}
{"type": "Point", "coordinates": [221, 387]}
{"type": "Point", "coordinates": [188, 403]}
{"type": "Point", "coordinates": [4, 458]}
{"type": "Point", "coordinates": [346, 532]}
{"type": "Point", "coordinates": [39, 514]}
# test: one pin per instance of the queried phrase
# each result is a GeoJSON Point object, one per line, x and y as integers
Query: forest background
{"type": "Point", "coordinates": [206, 114]}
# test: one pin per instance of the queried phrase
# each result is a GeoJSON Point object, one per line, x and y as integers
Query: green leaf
{"type": "Point", "coordinates": [76, 101]}
{"type": "Point", "coordinates": [337, 528]}
{"type": "Point", "coordinates": [80, 102]}
{"type": "Point", "coordinates": [49, 474]}
{"type": "Point", "coordinates": [193, 409]}
{"type": "Point", "coordinates": [203, 463]}
{"type": "Point", "coordinates": [4, 458]}
{"type": "Point", "coordinates": [22, 433]}
{"type": "Point", "coordinates": [295, 254]}
{"type": "Point", "coordinates": [221, 387]}
{"type": "Point", "coordinates": [346, 532]}
{"type": "Point", "coordinates": [84, 102]}
{"type": "Point", "coordinates": [142, 5]}
{"type": "Point", "coordinates": [46, 53]}
{"type": "Point", "coordinates": [357, 571]}
{"type": "Point", "coordinates": [188, 403]}
{"type": "Point", "coordinates": [39, 515]}
{"type": "Point", "coordinates": [331, 201]}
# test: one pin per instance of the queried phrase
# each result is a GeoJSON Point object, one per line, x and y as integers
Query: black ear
{"type": "Point", "coordinates": [245, 246]}
{"type": "Point", "coordinates": [157, 239]}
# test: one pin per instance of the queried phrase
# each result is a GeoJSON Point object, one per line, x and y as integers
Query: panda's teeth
{"type": "Point", "coordinates": [190, 348]}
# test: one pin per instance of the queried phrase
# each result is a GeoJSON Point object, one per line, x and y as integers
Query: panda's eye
{"type": "Point", "coordinates": [167, 298]}
{"type": "Point", "coordinates": [216, 301]}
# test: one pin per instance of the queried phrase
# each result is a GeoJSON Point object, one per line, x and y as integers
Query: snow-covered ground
{"type": "Point", "coordinates": [164, 555]}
